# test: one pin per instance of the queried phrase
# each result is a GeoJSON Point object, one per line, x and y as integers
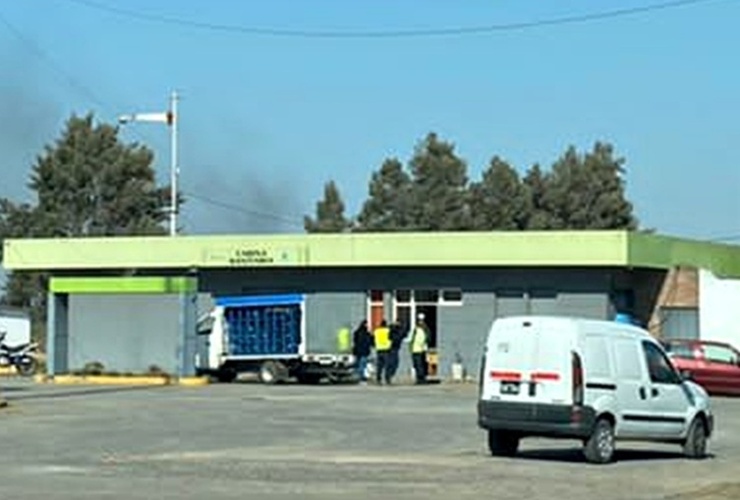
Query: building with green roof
{"type": "Point", "coordinates": [132, 302]}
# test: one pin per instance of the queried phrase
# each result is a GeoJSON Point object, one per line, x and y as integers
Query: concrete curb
{"type": "Point", "coordinates": [130, 380]}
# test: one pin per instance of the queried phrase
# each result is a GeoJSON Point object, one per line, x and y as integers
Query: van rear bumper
{"type": "Point", "coordinates": [536, 419]}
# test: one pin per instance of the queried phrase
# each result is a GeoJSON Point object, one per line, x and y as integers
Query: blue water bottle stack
{"type": "Point", "coordinates": [256, 330]}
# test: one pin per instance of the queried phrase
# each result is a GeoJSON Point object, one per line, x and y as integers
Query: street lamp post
{"type": "Point", "coordinates": [170, 118]}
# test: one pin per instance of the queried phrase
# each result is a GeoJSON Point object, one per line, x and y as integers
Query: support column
{"type": "Point", "coordinates": [51, 314]}
{"type": "Point", "coordinates": [187, 344]}
{"type": "Point", "coordinates": [57, 333]}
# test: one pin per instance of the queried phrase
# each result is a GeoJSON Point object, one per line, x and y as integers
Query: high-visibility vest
{"type": "Point", "coordinates": [382, 336]}
{"type": "Point", "coordinates": [343, 340]}
{"type": "Point", "coordinates": [419, 340]}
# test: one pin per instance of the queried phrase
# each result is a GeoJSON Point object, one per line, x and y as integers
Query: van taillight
{"type": "Point", "coordinates": [577, 369]}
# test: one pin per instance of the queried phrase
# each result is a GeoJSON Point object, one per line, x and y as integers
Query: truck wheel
{"type": "Point", "coordinates": [272, 372]}
{"type": "Point", "coordinates": [226, 376]}
{"type": "Point", "coordinates": [502, 443]}
{"type": "Point", "coordinates": [599, 448]}
{"type": "Point", "coordinates": [695, 445]}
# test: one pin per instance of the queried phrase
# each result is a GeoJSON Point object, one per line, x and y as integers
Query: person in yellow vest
{"type": "Point", "coordinates": [344, 342]}
{"type": "Point", "coordinates": [419, 346]}
{"type": "Point", "coordinates": [382, 342]}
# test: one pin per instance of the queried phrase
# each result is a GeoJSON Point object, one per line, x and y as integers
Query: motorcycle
{"type": "Point", "coordinates": [21, 356]}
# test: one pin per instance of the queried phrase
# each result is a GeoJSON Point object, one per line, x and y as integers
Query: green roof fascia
{"type": "Point", "coordinates": [124, 285]}
{"type": "Point", "coordinates": [509, 248]}
{"type": "Point", "coordinates": [647, 250]}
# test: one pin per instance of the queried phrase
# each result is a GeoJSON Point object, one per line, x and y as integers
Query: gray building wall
{"type": "Point", "coordinates": [127, 333]}
{"type": "Point", "coordinates": [487, 293]}
{"type": "Point", "coordinates": [462, 330]}
{"type": "Point", "coordinates": [325, 313]}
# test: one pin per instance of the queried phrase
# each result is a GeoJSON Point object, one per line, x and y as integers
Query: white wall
{"type": "Point", "coordinates": [719, 308]}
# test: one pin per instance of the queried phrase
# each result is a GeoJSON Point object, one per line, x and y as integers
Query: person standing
{"type": "Point", "coordinates": [362, 344]}
{"type": "Point", "coordinates": [419, 347]}
{"type": "Point", "coordinates": [382, 338]}
{"type": "Point", "coordinates": [397, 336]}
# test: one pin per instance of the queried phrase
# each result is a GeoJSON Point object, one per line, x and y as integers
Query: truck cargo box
{"type": "Point", "coordinates": [264, 325]}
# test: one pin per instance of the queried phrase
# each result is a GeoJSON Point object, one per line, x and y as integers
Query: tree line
{"type": "Point", "coordinates": [89, 183]}
{"type": "Point", "coordinates": [433, 192]}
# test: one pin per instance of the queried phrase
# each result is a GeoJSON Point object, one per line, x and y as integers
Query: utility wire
{"type": "Point", "coordinates": [237, 208]}
{"type": "Point", "coordinates": [44, 56]}
{"type": "Point", "coordinates": [408, 33]}
{"type": "Point", "coordinates": [85, 91]}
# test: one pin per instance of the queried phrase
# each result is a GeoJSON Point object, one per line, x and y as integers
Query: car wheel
{"type": "Point", "coordinates": [695, 445]}
{"type": "Point", "coordinates": [600, 447]}
{"type": "Point", "coordinates": [502, 443]}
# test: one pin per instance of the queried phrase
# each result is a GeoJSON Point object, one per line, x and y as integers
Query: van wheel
{"type": "Point", "coordinates": [502, 443]}
{"type": "Point", "coordinates": [695, 445]}
{"type": "Point", "coordinates": [599, 448]}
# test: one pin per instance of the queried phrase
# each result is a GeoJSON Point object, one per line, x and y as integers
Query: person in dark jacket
{"type": "Point", "coordinates": [397, 336]}
{"type": "Point", "coordinates": [362, 344]}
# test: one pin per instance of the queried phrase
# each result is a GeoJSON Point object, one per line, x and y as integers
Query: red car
{"type": "Point", "coordinates": [713, 365]}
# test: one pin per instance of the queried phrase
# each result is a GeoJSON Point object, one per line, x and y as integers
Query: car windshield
{"type": "Point", "coordinates": [679, 349]}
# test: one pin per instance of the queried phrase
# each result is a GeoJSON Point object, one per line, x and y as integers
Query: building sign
{"type": "Point", "coordinates": [247, 256]}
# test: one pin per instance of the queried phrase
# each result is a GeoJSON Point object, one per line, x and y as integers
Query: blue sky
{"type": "Point", "coordinates": [267, 120]}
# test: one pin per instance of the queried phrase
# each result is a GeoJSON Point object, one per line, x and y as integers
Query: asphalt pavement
{"type": "Point", "coordinates": [246, 440]}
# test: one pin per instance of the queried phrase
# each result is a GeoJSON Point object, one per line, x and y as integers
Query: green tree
{"type": "Point", "coordinates": [87, 183]}
{"type": "Point", "coordinates": [388, 205]}
{"type": "Point", "coordinates": [90, 184]}
{"type": "Point", "coordinates": [535, 181]}
{"type": "Point", "coordinates": [500, 201]}
{"type": "Point", "coordinates": [587, 191]}
{"type": "Point", "coordinates": [329, 213]}
{"type": "Point", "coordinates": [439, 189]}
{"type": "Point", "coordinates": [18, 221]}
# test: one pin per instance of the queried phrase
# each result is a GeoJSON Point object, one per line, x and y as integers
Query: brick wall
{"type": "Point", "coordinates": [680, 289]}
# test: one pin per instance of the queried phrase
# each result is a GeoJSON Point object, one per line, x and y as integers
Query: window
{"type": "Point", "coordinates": [661, 370]}
{"type": "Point", "coordinates": [426, 296]}
{"type": "Point", "coordinates": [720, 354]}
{"type": "Point", "coordinates": [451, 296]}
{"type": "Point", "coordinates": [403, 296]}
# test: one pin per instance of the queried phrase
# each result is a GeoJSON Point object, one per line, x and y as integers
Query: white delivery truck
{"type": "Point", "coordinates": [266, 335]}
{"type": "Point", "coordinates": [596, 381]}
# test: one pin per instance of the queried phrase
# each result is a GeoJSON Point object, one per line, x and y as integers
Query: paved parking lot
{"type": "Point", "coordinates": [251, 441]}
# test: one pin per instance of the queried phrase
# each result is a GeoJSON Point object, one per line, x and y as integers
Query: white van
{"type": "Point", "coordinates": [597, 381]}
